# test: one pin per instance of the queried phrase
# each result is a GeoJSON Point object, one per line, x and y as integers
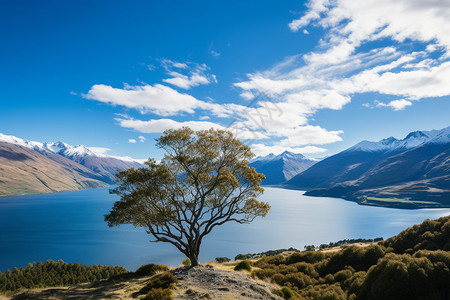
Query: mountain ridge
{"type": "Point", "coordinates": [29, 167]}
{"type": "Point", "coordinates": [412, 172]}
{"type": "Point", "coordinates": [282, 167]}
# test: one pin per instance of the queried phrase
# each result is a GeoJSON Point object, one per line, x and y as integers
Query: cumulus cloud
{"type": "Point", "coordinates": [400, 104]}
{"type": "Point", "coordinates": [160, 125]}
{"type": "Point", "coordinates": [157, 99]}
{"type": "Point", "coordinates": [142, 139]}
{"type": "Point", "coordinates": [132, 141]}
{"type": "Point", "coordinates": [339, 67]}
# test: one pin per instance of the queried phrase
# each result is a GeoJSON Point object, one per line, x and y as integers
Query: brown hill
{"type": "Point", "coordinates": [25, 171]}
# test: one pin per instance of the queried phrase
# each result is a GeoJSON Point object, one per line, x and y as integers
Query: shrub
{"type": "Point", "coordinates": [150, 269]}
{"type": "Point", "coordinates": [159, 294]}
{"type": "Point", "coordinates": [243, 265]}
{"type": "Point", "coordinates": [243, 256]}
{"type": "Point", "coordinates": [310, 248]}
{"type": "Point", "coordinates": [51, 273]}
{"type": "Point", "coordinates": [222, 259]}
{"type": "Point", "coordinates": [163, 281]}
{"type": "Point", "coordinates": [186, 262]}
{"type": "Point", "coordinates": [286, 293]}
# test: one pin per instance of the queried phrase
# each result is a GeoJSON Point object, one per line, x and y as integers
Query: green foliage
{"type": "Point", "coordinates": [161, 281]}
{"type": "Point", "coordinates": [261, 254]}
{"type": "Point", "coordinates": [202, 182]}
{"type": "Point", "coordinates": [150, 269]}
{"type": "Point", "coordinates": [345, 242]}
{"type": "Point", "coordinates": [416, 277]}
{"type": "Point", "coordinates": [286, 293]}
{"type": "Point", "coordinates": [222, 259]}
{"type": "Point", "coordinates": [159, 294]}
{"type": "Point", "coordinates": [243, 265]}
{"type": "Point", "coordinates": [186, 262]}
{"type": "Point", "coordinates": [371, 272]}
{"type": "Point", "coordinates": [51, 273]}
{"type": "Point", "coordinates": [310, 248]}
{"type": "Point", "coordinates": [430, 235]}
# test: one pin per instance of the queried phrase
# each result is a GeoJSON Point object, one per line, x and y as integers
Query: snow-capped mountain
{"type": "Point", "coordinates": [412, 140]}
{"type": "Point", "coordinates": [282, 167]}
{"type": "Point", "coordinates": [416, 167]}
{"type": "Point", "coordinates": [60, 148]}
{"type": "Point", "coordinates": [26, 171]}
{"type": "Point", "coordinates": [103, 165]}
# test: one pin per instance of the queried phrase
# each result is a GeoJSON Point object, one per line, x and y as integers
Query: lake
{"type": "Point", "coordinates": [70, 226]}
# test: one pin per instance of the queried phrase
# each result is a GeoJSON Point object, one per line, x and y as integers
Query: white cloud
{"type": "Point", "coordinates": [99, 150]}
{"type": "Point", "coordinates": [159, 125]}
{"type": "Point", "coordinates": [247, 95]}
{"type": "Point", "coordinates": [194, 74]}
{"type": "Point", "coordinates": [339, 68]}
{"type": "Point", "coordinates": [180, 65]}
{"type": "Point", "coordinates": [400, 104]}
{"type": "Point", "coordinates": [215, 54]}
{"type": "Point", "coordinates": [142, 139]}
{"type": "Point", "coordinates": [157, 99]}
{"type": "Point", "coordinates": [315, 8]}
{"type": "Point", "coordinates": [307, 135]}
{"type": "Point", "coordinates": [132, 141]}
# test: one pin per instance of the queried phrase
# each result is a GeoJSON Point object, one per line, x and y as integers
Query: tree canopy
{"type": "Point", "coordinates": [202, 182]}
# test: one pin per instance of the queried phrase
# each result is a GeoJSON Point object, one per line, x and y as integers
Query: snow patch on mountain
{"type": "Point", "coordinates": [412, 140]}
{"type": "Point", "coordinates": [61, 148]}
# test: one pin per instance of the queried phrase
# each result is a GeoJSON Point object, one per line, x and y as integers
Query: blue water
{"type": "Point", "coordinates": [70, 226]}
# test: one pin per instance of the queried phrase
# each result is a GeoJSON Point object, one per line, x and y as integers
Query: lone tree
{"type": "Point", "coordinates": [202, 182]}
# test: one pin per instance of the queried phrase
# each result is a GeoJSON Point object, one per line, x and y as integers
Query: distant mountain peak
{"type": "Point", "coordinates": [281, 167]}
{"type": "Point", "coordinates": [415, 134]}
{"type": "Point", "coordinates": [288, 154]}
{"type": "Point", "coordinates": [60, 148]}
{"type": "Point", "coordinates": [412, 140]}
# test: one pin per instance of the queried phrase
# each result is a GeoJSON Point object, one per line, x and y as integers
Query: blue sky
{"type": "Point", "coordinates": [313, 77]}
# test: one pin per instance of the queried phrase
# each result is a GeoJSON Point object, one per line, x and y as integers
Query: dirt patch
{"type": "Point", "coordinates": [208, 283]}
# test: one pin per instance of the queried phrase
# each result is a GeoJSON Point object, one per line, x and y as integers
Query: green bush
{"type": "Point", "coordinates": [150, 269]}
{"type": "Point", "coordinates": [186, 262]}
{"type": "Point", "coordinates": [161, 281]}
{"type": "Point", "coordinates": [51, 273]}
{"type": "Point", "coordinates": [286, 293]}
{"type": "Point", "coordinates": [222, 259]}
{"type": "Point", "coordinates": [243, 265]}
{"type": "Point", "coordinates": [159, 294]}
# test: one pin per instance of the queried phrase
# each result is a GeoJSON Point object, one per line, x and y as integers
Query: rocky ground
{"type": "Point", "coordinates": [214, 281]}
{"type": "Point", "coordinates": [210, 283]}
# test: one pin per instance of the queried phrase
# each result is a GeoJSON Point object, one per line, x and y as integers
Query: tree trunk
{"type": "Point", "coordinates": [194, 260]}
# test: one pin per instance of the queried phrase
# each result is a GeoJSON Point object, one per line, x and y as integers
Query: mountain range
{"type": "Point", "coordinates": [282, 167]}
{"type": "Point", "coordinates": [411, 172]}
{"type": "Point", "coordinates": [28, 167]}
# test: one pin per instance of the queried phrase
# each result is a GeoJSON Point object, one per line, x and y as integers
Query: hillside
{"type": "Point", "coordinates": [409, 173]}
{"type": "Point", "coordinates": [24, 171]}
{"type": "Point", "coordinates": [282, 167]}
{"type": "Point", "coordinates": [28, 167]}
